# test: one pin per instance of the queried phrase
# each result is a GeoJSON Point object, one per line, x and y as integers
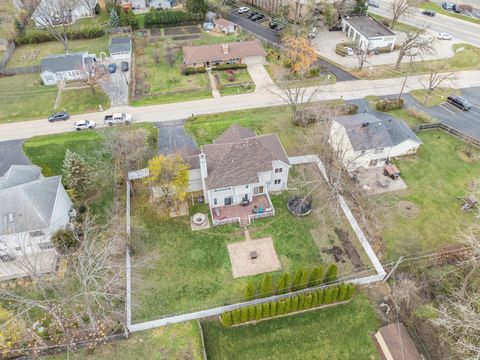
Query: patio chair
{"type": "Point", "coordinates": [218, 214]}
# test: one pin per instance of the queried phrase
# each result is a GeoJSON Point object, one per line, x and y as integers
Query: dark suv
{"type": "Point", "coordinates": [459, 102]}
{"type": "Point", "coordinates": [428, 13]}
{"type": "Point", "coordinates": [59, 116]}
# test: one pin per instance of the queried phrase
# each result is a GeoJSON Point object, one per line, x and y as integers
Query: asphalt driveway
{"type": "Point", "coordinates": [173, 138]}
{"type": "Point", "coordinates": [11, 153]}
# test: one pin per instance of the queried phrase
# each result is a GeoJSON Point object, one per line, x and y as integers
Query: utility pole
{"type": "Point", "coordinates": [403, 87]}
{"type": "Point", "coordinates": [393, 269]}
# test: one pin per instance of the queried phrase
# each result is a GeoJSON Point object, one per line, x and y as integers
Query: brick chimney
{"type": "Point", "coordinates": [225, 48]}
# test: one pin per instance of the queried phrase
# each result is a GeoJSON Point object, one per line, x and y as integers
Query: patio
{"type": "Point", "coordinates": [234, 213]}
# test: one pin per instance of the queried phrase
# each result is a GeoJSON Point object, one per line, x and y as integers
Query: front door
{"type": "Point", "coordinates": [228, 200]}
{"type": "Point", "coordinates": [258, 190]}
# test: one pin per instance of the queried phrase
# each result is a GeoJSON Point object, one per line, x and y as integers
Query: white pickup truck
{"type": "Point", "coordinates": [118, 118]}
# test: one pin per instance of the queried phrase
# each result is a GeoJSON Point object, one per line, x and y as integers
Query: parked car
{"type": "Point", "coordinates": [312, 33]}
{"type": "Point", "coordinates": [456, 9]}
{"type": "Point", "coordinates": [272, 25]}
{"type": "Point", "coordinates": [243, 10]}
{"type": "Point", "coordinates": [448, 6]}
{"type": "Point", "coordinates": [430, 13]}
{"type": "Point", "coordinates": [336, 27]}
{"type": "Point", "coordinates": [124, 66]}
{"type": "Point", "coordinates": [84, 124]}
{"type": "Point", "coordinates": [252, 14]}
{"type": "Point", "coordinates": [59, 116]}
{"type": "Point", "coordinates": [118, 118]}
{"type": "Point", "coordinates": [459, 102]}
{"type": "Point", "coordinates": [259, 17]}
{"type": "Point", "coordinates": [373, 3]}
{"type": "Point", "coordinates": [112, 68]}
{"type": "Point", "coordinates": [444, 36]}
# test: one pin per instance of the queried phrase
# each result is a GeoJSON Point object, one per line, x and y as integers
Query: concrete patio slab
{"type": "Point", "coordinates": [374, 182]}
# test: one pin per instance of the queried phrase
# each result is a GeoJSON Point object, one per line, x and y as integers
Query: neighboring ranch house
{"type": "Point", "coordinates": [65, 67]}
{"type": "Point", "coordinates": [365, 141]}
{"type": "Point", "coordinates": [51, 12]}
{"type": "Point", "coordinates": [33, 208]}
{"type": "Point", "coordinates": [237, 173]}
{"type": "Point", "coordinates": [368, 33]}
{"type": "Point", "coordinates": [120, 48]}
{"type": "Point", "coordinates": [244, 52]}
{"type": "Point", "coordinates": [225, 26]}
{"type": "Point", "coordinates": [145, 4]}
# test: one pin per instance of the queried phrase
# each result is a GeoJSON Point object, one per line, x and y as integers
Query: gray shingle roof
{"type": "Point", "coordinates": [19, 174]}
{"type": "Point", "coordinates": [367, 132]}
{"type": "Point", "coordinates": [369, 27]}
{"type": "Point", "coordinates": [120, 45]}
{"type": "Point", "coordinates": [239, 161]}
{"type": "Point", "coordinates": [233, 134]}
{"type": "Point", "coordinates": [31, 202]}
{"type": "Point", "coordinates": [62, 62]}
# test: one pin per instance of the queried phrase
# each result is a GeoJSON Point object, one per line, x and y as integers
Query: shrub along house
{"type": "Point", "coordinates": [65, 67]}
{"type": "Point", "coordinates": [365, 141]}
{"type": "Point", "coordinates": [244, 52]}
{"type": "Point", "coordinates": [238, 171]}
{"type": "Point", "coordinates": [368, 33]}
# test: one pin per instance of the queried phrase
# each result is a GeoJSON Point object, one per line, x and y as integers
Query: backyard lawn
{"type": "Point", "coordinates": [175, 342]}
{"type": "Point", "coordinates": [340, 332]}
{"type": "Point", "coordinates": [439, 174]}
{"type": "Point", "coordinates": [29, 55]}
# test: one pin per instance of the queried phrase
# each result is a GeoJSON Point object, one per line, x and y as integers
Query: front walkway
{"type": "Point", "coordinates": [213, 84]}
{"type": "Point", "coordinates": [260, 77]}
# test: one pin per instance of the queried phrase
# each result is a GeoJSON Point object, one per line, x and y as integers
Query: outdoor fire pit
{"type": "Point", "coordinates": [300, 205]}
{"type": "Point", "coordinates": [199, 219]}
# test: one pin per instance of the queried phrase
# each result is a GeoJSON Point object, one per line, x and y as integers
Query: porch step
{"type": "Point", "coordinates": [244, 223]}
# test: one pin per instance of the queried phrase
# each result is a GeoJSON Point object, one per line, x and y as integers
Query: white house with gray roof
{"type": "Point", "coordinates": [52, 12]}
{"type": "Point", "coordinates": [32, 208]}
{"type": "Point", "coordinates": [365, 141]}
{"type": "Point", "coordinates": [65, 67]}
{"type": "Point", "coordinates": [368, 33]}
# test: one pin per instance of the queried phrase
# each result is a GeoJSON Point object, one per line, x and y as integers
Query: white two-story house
{"type": "Point", "coordinates": [365, 141]}
{"type": "Point", "coordinates": [238, 171]}
{"type": "Point", "coordinates": [59, 12]}
{"type": "Point", "coordinates": [32, 208]}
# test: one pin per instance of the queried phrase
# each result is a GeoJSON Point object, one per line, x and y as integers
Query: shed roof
{"type": "Point", "coordinates": [368, 27]}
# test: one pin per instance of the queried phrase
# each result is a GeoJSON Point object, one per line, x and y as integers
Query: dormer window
{"type": "Point", "coordinates": [278, 170]}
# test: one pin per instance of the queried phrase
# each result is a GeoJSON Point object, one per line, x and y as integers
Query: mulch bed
{"type": "Point", "coordinates": [186, 37]}
{"type": "Point", "coordinates": [182, 30]}
{"type": "Point", "coordinates": [336, 252]}
{"type": "Point", "coordinates": [349, 249]}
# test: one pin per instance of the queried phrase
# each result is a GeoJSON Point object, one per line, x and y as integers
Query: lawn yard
{"type": "Point", "coordinates": [26, 55]}
{"type": "Point", "coordinates": [175, 342]}
{"type": "Point", "coordinates": [340, 332]}
{"type": "Point", "coordinates": [23, 97]}
{"type": "Point", "coordinates": [435, 178]}
{"type": "Point", "coordinates": [399, 26]}
{"type": "Point", "coordinates": [83, 100]}
{"type": "Point", "coordinates": [242, 82]}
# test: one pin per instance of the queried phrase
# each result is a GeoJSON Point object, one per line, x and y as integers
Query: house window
{"type": "Point", "coordinates": [373, 162]}
{"type": "Point", "coordinates": [277, 181]}
{"type": "Point", "coordinates": [215, 201]}
{"type": "Point", "coordinates": [258, 190]}
{"type": "Point", "coordinates": [379, 150]}
{"type": "Point", "coordinates": [279, 170]}
{"type": "Point", "coordinates": [228, 200]}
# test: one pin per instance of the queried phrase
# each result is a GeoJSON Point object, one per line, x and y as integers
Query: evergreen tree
{"type": "Point", "coordinates": [342, 292]}
{"type": "Point", "coordinates": [76, 175]}
{"type": "Point", "coordinates": [320, 297]}
{"type": "Point", "coordinates": [301, 301]}
{"type": "Point", "coordinates": [197, 6]}
{"type": "Point", "coordinates": [283, 283]}
{"type": "Point", "coordinates": [236, 316]}
{"type": "Point", "coordinates": [334, 293]}
{"type": "Point", "coordinates": [294, 303]}
{"type": "Point", "coordinates": [251, 313]}
{"type": "Point", "coordinates": [308, 301]}
{"type": "Point", "coordinates": [249, 291]}
{"type": "Point", "coordinates": [314, 299]}
{"type": "Point", "coordinates": [226, 319]}
{"type": "Point", "coordinates": [267, 286]}
{"type": "Point", "coordinates": [281, 307]}
{"type": "Point", "coordinates": [266, 310]}
{"type": "Point", "coordinates": [244, 314]}
{"type": "Point", "coordinates": [331, 274]}
{"type": "Point", "coordinates": [327, 295]}
{"type": "Point", "coordinates": [288, 305]}
{"type": "Point", "coordinates": [316, 276]}
{"type": "Point", "coordinates": [258, 312]}
{"type": "Point", "coordinates": [114, 19]}
{"type": "Point", "coordinates": [299, 280]}
{"type": "Point", "coordinates": [133, 20]}
{"type": "Point", "coordinates": [350, 291]}
{"type": "Point", "coordinates": [360, 7]}
{"type": "Point", "coordinates": [273, 308]}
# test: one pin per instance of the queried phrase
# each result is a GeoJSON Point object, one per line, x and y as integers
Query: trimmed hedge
{"type": "Point", "coordinates": [194, 70]}
{"type": "Point", "coordinates": [292, 304]}
{"type": "Point", "coordinates": [389, 104]}
{"type": "Point", "coordinates": [80, 33]}
{"type": "Point", "coordinates": [169, 17]}
{"type": "Point", "coordinates": [229, 67]}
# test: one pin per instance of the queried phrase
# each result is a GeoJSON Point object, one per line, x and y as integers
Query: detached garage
{"type": "Point", "coordinates": [120, 48]}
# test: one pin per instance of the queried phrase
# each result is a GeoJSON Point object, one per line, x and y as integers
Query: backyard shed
{"type": "Point", "coordinates": [120, 48]}
{"type": "Point", "coordinates": [393, 342]}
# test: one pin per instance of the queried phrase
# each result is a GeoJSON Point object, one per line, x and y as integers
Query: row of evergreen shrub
{"type": "Point", "coordinates": [193, 70]}
{"type": "Point", "coordinates": [73, 33]}
{"type": "Point", "coordinates": [169, 17]}
{"type": "Point", "coordinates": [285, 283]}
{"type": "Point", "coordinates": [292, 304]}
{"type": "Point", "coordinates": [230, 67]}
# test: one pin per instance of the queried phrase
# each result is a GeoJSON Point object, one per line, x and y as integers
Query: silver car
{"type": "Point", "coordinates": [84, 124]}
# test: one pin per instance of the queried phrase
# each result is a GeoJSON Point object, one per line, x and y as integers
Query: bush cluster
{"type": "Point", "coordinates": [168, 17]}
{"type": "Point", "coordinates": [73, 33]}
{"type": "Point", "coordinates": [194, 70]}
{"type": "Point", "coordinates": [389, 104]}
{"type": "Point", "coordinates": [340, 47]}
{"type": "Point", "coordinates": [229, 67]}
{"type": "Point", "coordinates": [292, 304]}
{"type": "Point", "coordinates": [420, 115]}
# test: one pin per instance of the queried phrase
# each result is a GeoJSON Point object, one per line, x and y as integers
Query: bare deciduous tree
{"type": "Point", "coordinates": [399, 8]}
{"type": "Point", "coordinates": [435, 79]}
{"type": "Point", "coordinates": [417, 43]}
{"type": "Point", "coordinates": [362, 56]}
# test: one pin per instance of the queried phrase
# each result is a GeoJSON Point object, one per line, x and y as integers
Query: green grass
{"type": "Point", "coordinates": [207, 38]}
{"type": "Point", "coordinates": [435, 177]}
{"type": "Point", "coordinates": [171, 98]}
{"type": "Point", "coordinates": [23, 97]}
{"type": "Point", "coordinates": [237, 86]}
{"type": "Point", "coordinates": [83, 100]}
{"type": "Point", "coordinates": [175, 342]}
{"type": "Point", "coordinates": [438, 9]}
{"type": "Point", "coordinates": [399, 26]}
{"type": "Point", "coordinates": [21, 55]}
{"type": "Point", "coordinates": [341, 332]}
{"type": "Point", "coordinates": [436, 97]}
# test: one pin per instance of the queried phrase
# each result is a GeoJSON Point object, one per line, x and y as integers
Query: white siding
{"type": "Point", "coordinates": [281, 176]}
{"type": "Point", "coordinates": [121, 56]}
{"type": "Point", "coordinates": [60, 216]}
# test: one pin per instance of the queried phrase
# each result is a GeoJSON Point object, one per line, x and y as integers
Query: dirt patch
{"type": "Point", "coordinates": [349, 249]}
{"type": "Point", "coordinates": [469, 155]}
{"type": "Point", "coordinates": [185, 37]}
{"type": "Point", "coordinates": [182, 30]}
{"type": "Point", "coordinates": [408, 209]}
{"type": "Point", "coordinates": [336, 252]}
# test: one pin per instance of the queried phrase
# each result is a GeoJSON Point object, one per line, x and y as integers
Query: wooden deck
{"type": "Point", "coordinates": [241, 212]}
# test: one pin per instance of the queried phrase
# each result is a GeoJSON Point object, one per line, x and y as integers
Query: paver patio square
{"type": "Point", "coordinates": [242, 263]}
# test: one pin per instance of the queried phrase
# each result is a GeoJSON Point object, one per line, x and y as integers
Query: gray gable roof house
{"type": "Point", "coordinates": [33, 208]}
{"type": "Point", "coordinates": [63, 62]}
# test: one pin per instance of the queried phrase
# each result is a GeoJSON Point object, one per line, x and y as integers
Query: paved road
{"type": "Point", "coordinates": [167, 112]}
{"type": "Point", "coordinates": [459, 29]}
{"type": "Point", "coordinates": [11, 153]}
{"type": "Point", "coordinates": [172, 138]}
